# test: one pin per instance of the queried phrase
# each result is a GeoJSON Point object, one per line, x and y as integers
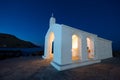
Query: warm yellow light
{"type": "Point", "coordinates": [89, 45]}
{"type": "Point", "coordinates": [75, 55]}
{"type": "Point", "coordinates": [90, 48]}
{"type": "Point", "coordinates": [51, 39]}
{"type": "Point", "coordinates": [74, 41]}
{"type": "Point", "coordinates": [75, 58]}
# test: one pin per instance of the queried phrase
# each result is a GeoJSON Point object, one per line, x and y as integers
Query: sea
{"type": "Point", "coordinates": [23, 50]}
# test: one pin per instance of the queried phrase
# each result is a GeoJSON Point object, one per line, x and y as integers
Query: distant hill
{"type": "Point", "coordinates": [11, 41]}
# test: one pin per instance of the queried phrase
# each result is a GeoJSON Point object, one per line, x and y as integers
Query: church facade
{"type": "Point", "coordinates": [69, 47]}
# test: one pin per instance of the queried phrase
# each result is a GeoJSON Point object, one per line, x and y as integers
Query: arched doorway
{"type": "Point", "coordinates": [75, 48]}
{"type": "Point", "coordinates": [90, 48]}
{"type": "Point", "coordinates": [51, 45]}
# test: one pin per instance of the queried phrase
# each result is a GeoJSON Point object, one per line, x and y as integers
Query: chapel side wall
{"type": "Point", "coordinates": [104, 48]}
{"type": "Point", "coordinates": [67, 33]}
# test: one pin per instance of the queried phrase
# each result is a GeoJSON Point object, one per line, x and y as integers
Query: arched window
{"type": "Point", "coordinates": [75, 48]}
{"type": "Point", "coordinates": [90, 48]}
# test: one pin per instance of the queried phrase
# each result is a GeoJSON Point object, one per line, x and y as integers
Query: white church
{"type": "Point", "coordinates": [69, 47]}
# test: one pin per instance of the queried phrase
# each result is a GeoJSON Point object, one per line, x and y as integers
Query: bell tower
{"type": "Point", "coordinates": [52, 20]}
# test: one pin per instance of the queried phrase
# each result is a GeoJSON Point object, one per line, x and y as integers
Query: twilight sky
{"type": "Point", "coordinates": [29, 19]}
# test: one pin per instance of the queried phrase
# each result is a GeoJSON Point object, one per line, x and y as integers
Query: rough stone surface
{"type": "Point", "coordinates": [36, 68]}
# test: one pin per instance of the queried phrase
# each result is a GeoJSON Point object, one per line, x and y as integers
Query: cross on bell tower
{"type": "Point", "coordinates": [52, 20]}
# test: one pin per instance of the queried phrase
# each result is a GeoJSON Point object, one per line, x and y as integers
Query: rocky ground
{"type": "Point", "coordinates": [35, 68]}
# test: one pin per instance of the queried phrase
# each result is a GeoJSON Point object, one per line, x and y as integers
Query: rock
{"type": "Point", "coordinates": [11, 41]}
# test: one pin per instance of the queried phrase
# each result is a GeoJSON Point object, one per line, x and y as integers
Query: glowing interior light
{"type": "Point", "coordinates": [51, 40]}
{"type": "Point", "coordinates": [90, 48]}
{"type": "Point", "coordinates": [74, 42]}
{"type": "Point", "coordinates": [52, 37]}
{"type": "Point", "coordinates": [75, 48]}
{"type": "Point", "coordinates": [88, 42]}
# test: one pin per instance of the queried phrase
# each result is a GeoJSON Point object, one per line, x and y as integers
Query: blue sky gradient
{"type": "Point", "coordinates": [29, 19]}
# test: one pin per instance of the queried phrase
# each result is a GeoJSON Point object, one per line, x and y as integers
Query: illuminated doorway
{"type": "Point", "coordinates": [90, 48]}
{"type": "Point", "coordinates": [51, 45]}
{"type": "Point", "coordinates": [75, 48]}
